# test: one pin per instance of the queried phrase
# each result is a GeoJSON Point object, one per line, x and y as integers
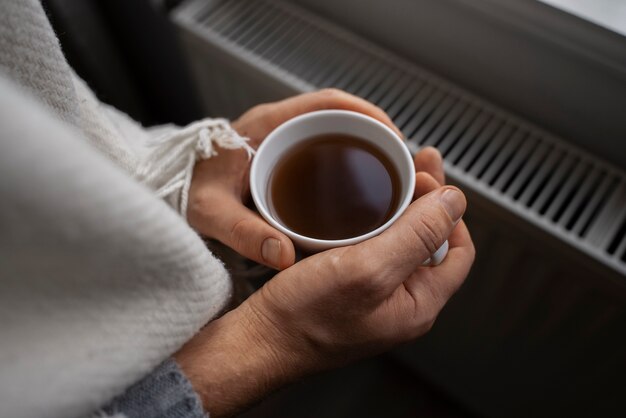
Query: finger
{"type": "Point", "coordinates": [461, 237]}
{"type": "Point", "coordinates": [247, 233]}
{"type": "Point", "coordinates": [424, 184]}
{"type": "Point", "coordinates": [433, 289]}
{"type": "Point", "coordinates": [332, 99]}
{"type": "Point", "coordinates": [429, 160]}
{"type": "Point", "coordinates": [423, 228]}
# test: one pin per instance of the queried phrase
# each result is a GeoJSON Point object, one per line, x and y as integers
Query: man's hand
{"type": "Point", "coordinates": [219, 187]}
{"type": "Point", "coordinates": [337, 306]}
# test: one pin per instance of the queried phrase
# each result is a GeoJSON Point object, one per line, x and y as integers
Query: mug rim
{"type": "Point", "coordinates": [326, 243]}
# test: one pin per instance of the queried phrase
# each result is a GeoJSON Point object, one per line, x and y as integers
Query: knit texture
{"type": "Point", "coordinates": [165, 393]}
{"type": "Point", "coordinates": [100, 280]}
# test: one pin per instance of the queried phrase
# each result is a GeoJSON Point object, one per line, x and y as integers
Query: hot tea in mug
{"type": "Point", "coordinates": [334, 186]}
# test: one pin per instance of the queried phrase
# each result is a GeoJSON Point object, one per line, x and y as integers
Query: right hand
{"type": "Point", "coordinates": [357, 301]}
{"type": "Point", "coordinates": [336, 306]}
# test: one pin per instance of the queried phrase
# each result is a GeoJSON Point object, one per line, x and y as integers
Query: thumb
{"type": "Point", "coordinates": [419, 232]}
{"type": "Point", "coordinates": [247, 233]}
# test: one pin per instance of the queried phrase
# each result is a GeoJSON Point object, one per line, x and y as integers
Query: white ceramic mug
{"type": "Point", "coordinates": [305, 126]}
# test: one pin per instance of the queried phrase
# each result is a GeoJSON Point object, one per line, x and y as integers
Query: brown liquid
{"type": "Point", "coordinates": [334, 186]}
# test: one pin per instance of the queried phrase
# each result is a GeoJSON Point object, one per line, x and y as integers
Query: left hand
{"type": "Point", "coordinates": [219, 186]}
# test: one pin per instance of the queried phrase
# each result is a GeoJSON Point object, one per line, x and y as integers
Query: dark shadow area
{"type": "Point", "coordinates": [378, 387]}
{"type": "Point", "coordinates": [128, 53]}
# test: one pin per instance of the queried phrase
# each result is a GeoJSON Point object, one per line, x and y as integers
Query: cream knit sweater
{"type": "Point", "coordinates": [100, 280]}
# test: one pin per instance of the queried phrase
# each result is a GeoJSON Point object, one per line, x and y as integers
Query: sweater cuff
{"type": "Point", "coordinates": [165, 393]}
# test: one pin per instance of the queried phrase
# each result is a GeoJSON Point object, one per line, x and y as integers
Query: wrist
{"type": "Point", "coordinates": [235, 361]}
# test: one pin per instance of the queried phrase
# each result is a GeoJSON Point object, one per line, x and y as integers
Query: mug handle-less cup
{"type": "Point", "coordinates": [305, 126]}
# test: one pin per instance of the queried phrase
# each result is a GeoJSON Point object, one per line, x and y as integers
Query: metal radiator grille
{"type": "Point", "coordinates": [540, 178]}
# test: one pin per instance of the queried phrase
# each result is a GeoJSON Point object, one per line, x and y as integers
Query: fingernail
{"type": "Point", "coordinates": [454, 203]}
{"type": "Point", "coordinates": [270, 251]}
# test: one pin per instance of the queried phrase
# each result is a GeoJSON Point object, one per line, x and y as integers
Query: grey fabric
{"type": "Point", "coordinates": [165, 393]}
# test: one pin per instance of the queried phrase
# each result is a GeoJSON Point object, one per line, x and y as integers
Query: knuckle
{"type": "Point", "coordinates": [196, 205]}
{"type": "Point", "coordinates": [331, 92]}
{"type": "Point", "coordinates": [375, 280]}
{"type": "Point", "coordinates": [200, 211]}
{"type": "Point", "coordinates": [361, 275]}
{"type": "Point", "coordinates": [237, 235]}
{"type": "Point", "coordinates": [428, 233]}
{"type": "Point", "coordinates": [335, 263]}
{"type": "Point", "coordinates": [432, 153]}
{"type": "Point", "coordinates": [332, 97]}
{"type": "Point", "coordinates": [258, 110]}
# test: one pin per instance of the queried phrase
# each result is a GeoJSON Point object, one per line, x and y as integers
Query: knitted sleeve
{"type": "Point", "coordinates": [165, 393]}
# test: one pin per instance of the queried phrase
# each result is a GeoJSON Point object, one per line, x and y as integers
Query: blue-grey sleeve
{"type": "Point", "coordinates": [165, 393]}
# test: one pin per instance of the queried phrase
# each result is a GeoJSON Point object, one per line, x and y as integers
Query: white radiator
{"type": "Point", "coordinates": [539, 329]}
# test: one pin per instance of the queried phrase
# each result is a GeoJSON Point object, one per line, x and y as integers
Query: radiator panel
{"type": "Point", "coordinates": [300, 51]}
